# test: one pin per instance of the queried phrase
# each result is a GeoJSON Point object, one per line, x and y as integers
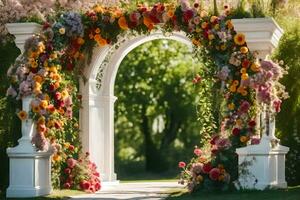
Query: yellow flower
{"type": "Point", "coordinates": [34, 64]}
{"type": "Point", "coordinates": [64, 94]}
{"type": "Point", "coordinates": [56, 77]}
{"type": "Point", "coordinates": [53, 69]}
{"type": "Point", "coordinates": [41, 47]}
{"type": "Point", "coordinates": [223, 47]}
{"type": "Point", "coordinates": [66, 144]}
{"type": "Point", "coordinates": [244, 49]}
{"type": "Point", "coordinates": [45, 64]}
{"type": "Point", "coordinates": [221, 178]}
{"type": "Point", "coordinates": [123, 23]}
{"type": "Point", "coordinates": [239, 122]}
{"type": "Point", "coordinates": [231, 106]}
{"type": "Point", "coordinates": [211, 36]}
{"type": "Point", "coordinates": [198, 30]}
{"type": "Point", "coordinates": [22, 115]}
{"type": "Point", "coordinates": [245, 76]}
{"type": "Point", "coordinates": [98, 9]}
{"type": "Point", "coordinates": [217, 27]}
{"type": "Point", "coordinates": [243, 139]}
{"type": "Point", "coordinates": [46, 97]}
{"type": "Point", "coordinates": [36, 109]}
{"type": "Point", "coordinates": [199, 178]}
{"type": "Point", "coordinates": [53, 56]}
{"type": "Point", "coordinates": [243, 70]}
{"type": "Point", "coordinates": [196, 42]}
{"type": "Point", "coordinates": [213, 19]}
{"type": "Point", "coordinates": [239, 39]}
{"type": "Point", "coordinates": [232, 88]}
{"type": "Point", "coordinates": [62, 31]}
{"type": "Point", "coordinates": [56, 158]}
{"type": "Point", "coordinates": [43, 104]}
{"type": "Point", "coordinates": [50, 123]}
{"type": "Point", "coordinates": [255, 67]}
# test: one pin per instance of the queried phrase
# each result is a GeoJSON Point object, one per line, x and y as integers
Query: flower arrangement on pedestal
{"type": "Point", "coordinates": [54, 59]}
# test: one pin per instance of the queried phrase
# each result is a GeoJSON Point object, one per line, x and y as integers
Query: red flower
{"type": "Point", "coordinates": [52, 87]}
{"type": "Point", "coordinates": [214, 139]}
{"type": "Point", "coordinates": [246, 63]}
{"type": "Point", "coordinates": [57, 125]}
{"type": "Point", "coordinates": [71, 148]}
{"type": "Point", "coordinates": [187, 15]}
{"type": "Point", "coordinates": [67, 170]}
{"type": "Point", "coordinates": [236, 131]}
{"type": "Point", "coordinates": [214, 174]}
{"type": "Point", "coordinates": [181, 164]}
{"type": "Point", "coordinates": [252, 123]}
{"type": "Point", "coordinates": [85, 185]}
{"type": "Point", "coordinates": [97, 186]}
{"type": "Point", "coordinates": [206, 168]}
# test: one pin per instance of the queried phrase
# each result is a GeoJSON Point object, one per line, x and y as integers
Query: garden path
{"type": "Point", "coordinates": [133, 191]}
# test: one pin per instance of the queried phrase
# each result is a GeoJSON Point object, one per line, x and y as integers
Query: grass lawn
{"type": "Point", "coordinates": [56, 194]}
{"type": "Point", "coordinates": [292, 193]}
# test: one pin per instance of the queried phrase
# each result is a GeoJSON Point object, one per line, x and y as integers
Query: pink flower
{"type": "Point", "coordinates": [277, 105]}
{"type": "Point", "coordinates": [214, 174]}
{"type": "Point", "coordinates": [223, 143]}
{"type": "Point", "coordinates": [67, 185]}
{"type": "Point", "coordinates": [197, 168]}
{"type": "Point", "coordinates": [244, 107]}
{"type": "Point", "coordinates": [197, 152]}
{"type": "Point", "coordinates": [181, 164]}
{"type": "Point", "coordinates": [71, 162]}
{"type": "Point", "coordinates": [255, 141]}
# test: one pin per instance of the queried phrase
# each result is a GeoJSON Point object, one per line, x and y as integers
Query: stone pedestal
{"type": "Point", "coordinates": [262, 166]}
{"type": "Point", "coordinates": [29, 174]}
{"type": "Point", "coordinates": [29, 171]}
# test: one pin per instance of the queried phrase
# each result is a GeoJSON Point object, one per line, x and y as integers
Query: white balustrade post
{"type": "Point", "coordinates": [29, 169]}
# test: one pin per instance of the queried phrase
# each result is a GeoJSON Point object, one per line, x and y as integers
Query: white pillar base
{"type": "Point", "coordinates": [262, 166]}
{"type": "Point", "coordinates": [29, 174]}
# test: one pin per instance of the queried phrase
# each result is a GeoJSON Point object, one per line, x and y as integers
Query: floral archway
{"type": "Point", "coordinates": [51, 67]}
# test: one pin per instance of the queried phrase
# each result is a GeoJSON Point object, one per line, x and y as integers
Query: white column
{"type": "Point", "coordinates": [29, 170]}
{"type": "Point", "coordinates": [97, 125]}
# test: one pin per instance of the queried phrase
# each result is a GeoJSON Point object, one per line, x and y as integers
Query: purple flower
{"type": "Point", "coordinates": [11, 92]}
{"type": "Point", "coordinates": [244, 107]}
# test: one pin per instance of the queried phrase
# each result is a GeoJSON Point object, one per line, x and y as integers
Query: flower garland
{"type": "Point", "coordinates": [53, 60]}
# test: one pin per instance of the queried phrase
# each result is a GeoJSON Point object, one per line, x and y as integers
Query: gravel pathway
{"type": "Point", "coordinates": [133, 191]}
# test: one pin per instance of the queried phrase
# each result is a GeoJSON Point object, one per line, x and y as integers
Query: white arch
{"type": "Point", "coordinates": [97, 114]}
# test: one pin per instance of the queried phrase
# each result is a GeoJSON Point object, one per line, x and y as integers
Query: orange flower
{"type": "Point", "coordinates": [80, 41]}
{"type": "Point", "coordinates": [41, 120]}
{"type": "Point", "coordinates": [35, 109]}
{"type": "Point", "coordinates": [22, 115]}
{"type": "Point", "coordinates": [232, 88]}
{"type": "Point", "coordinates": [204, 25]}
{"type": "Point", "coordinates": [235, 83]}
{"type": "Point", "coordinates": [56, 158]}
{"type": "Point", "coordinates": [98, 9]}
{"type": "Point", "coordinates": [148, 22]}
{"type": "Point", "coordinates": [213, 19]}
{"type": "Point", "coordinates": [211, 36]}
{"type": "Point", "coordinates": [196, 42]}
{"type": "Point", "coordinates": [245, 76]}
{"type": "Point", "coordinates": [229, 24]}
{"type": "Point", "coordinates": [239, 39]}
{"type": "Point", "coordinates": [97, 30]}
{"type": "Point", "coordinates": [170, 13]}
{"type": "Point", "coordinates": [123, 23]}
{"type": "Point", "coordinates": [102, 42]}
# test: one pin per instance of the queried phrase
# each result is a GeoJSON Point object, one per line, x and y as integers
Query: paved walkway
{"type": "Point", "coordinates": [133, 191]}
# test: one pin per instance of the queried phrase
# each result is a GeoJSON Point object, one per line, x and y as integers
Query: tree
{"type": "Point", "coordinates": [154, 86]}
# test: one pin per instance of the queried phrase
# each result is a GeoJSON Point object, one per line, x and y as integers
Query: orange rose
{"type": "Point", "coordinates": [123, 23]}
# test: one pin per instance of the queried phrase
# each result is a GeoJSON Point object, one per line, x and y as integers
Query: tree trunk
{"type": "Point", "coordinates": [152, 155]}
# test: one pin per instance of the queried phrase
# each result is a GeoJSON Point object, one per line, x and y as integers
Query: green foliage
{"type": "Point", "coordinates": [154, 83]}
{"type": "Point", "coordinates": [10, 126]}
{"type": "Point", "coordinates": [288, 120]}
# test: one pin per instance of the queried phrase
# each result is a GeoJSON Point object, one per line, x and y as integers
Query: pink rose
{"type": "Point", "coordinates": [181, 164]}
{"type": "Point", "coordinates": [71, 162]}
{"type": "Point", "coordinates": [214, 174]}
{"type": "Point", "coordinates": [197, 152]}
